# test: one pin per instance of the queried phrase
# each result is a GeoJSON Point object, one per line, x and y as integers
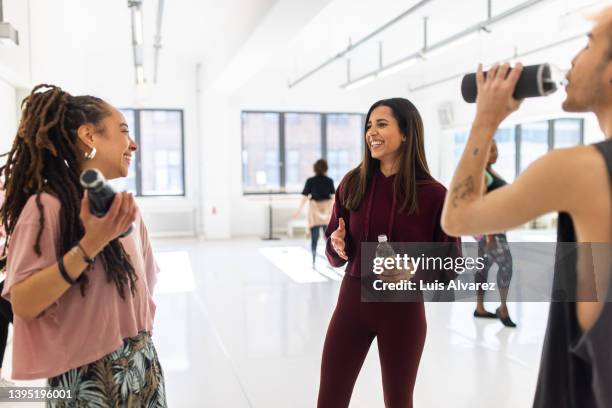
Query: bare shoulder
{"type": "Point", "coordinates": [584, 165]}
{"type": "Point", "coordinates": [580, 172]}
{"type": "Point", "coordinates": [572, 164]}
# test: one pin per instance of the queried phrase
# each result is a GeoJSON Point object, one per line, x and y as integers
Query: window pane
{"type": "Point", "coordinates": [567, 132]}
{"type": "Point", "coordinates": [161, 152]}
{"type": "Point", "coordinates": [534, 142]}
{"type": "Point", "coordinates": [302, 148]}
{"type": "Point", "coordinates": [506, 153]}
{"type": "Point", "coordinates": [128, 183]}
{"type": "Point", "coordinates": [459, 147]}
{"type": "Point", "coordinates": [344, 144]}
{"type": "Point", "coordinates": [260, 151]}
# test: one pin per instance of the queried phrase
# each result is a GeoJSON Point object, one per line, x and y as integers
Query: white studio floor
{"type": "Point", "coordinates": [241, 323]}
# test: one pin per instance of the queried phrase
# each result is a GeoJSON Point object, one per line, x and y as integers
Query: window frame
{"type": "Point", "coordinates": [282, 144]}
{"type": "Point", "coordinates": [518, 137]}
{"type": "Point", "coordinates": [518, 129]}
{"type": "Point", "coordinates": [138, 137]}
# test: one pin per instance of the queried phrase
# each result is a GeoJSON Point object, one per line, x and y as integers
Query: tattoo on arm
{"type": "Point", "coordinates": [463, 190]}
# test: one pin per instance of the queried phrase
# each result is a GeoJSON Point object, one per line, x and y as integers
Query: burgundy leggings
{"type": "Point", "coordinates": [400, 329]}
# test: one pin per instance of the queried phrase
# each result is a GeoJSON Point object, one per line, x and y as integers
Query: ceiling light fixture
{"type": "Point", "coordinates": [452, 42]}
{"type": "Point", "coordinates": [135, 7]}
{"type": "Point", "coordinates": [397, 67]}
{"type": "Point", "coordinates": [8, 34]}
{"type": "Point", "coordinates": [359, 82]}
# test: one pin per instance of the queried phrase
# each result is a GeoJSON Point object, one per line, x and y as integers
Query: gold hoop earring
{"type": "Point", "coordinates": [90, 155]}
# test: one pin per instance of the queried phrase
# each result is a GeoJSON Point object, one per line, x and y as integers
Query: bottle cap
{"type": "Point", "coordinates": [382, 238]}
{"type": "Point", "coordinates": [92, 179]}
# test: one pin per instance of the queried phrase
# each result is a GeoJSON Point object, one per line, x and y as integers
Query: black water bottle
{"type": "Point", "coordinates": [101, 194]}
{"type": "Point", "coordinates": [535, 80]}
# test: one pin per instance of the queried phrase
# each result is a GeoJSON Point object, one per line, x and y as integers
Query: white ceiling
{"type": "Point", "coordinates": [197, 29]}
{"type": "Point", "coordinates": [75, 40]}
{"type": "Point", "coordinates": [329, 34]}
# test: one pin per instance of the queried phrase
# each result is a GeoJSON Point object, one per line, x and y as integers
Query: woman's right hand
{"type": "Point", "coordinates": [338, 240]}
{"type": "Point", "coordinates": [99, 231]}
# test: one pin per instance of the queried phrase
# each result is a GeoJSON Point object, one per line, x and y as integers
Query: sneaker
{"type": "Point", "coordinates": [6, 383]}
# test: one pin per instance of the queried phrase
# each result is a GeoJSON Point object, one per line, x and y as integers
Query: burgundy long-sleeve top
{"type": "Point", "coordinates": [378, 214]}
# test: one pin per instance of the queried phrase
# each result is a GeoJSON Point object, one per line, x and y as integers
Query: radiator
{"type": "Point", "coordinates": [170, 222]}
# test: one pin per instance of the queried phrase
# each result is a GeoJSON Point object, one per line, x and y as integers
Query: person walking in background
{"type": "Point", "coordinates": [319, 192]}
{"type": "Point", "coordinates": [493, 248]}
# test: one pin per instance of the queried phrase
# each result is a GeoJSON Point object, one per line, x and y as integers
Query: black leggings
{"type": "Point", "coordinates": [496, 252]}
{"type": "Point", "coordinates": [6, 317]}
{"type": "Point", "coordinates": [314, 237]}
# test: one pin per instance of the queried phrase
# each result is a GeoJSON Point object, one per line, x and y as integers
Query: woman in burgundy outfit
{"type": "Point", "coordinates": [391, 192]}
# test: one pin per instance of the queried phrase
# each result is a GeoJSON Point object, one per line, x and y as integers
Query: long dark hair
{"type": "Point", "coordinates": [412, 164]}
{"type": "Point", "coordinates": [45, 157]}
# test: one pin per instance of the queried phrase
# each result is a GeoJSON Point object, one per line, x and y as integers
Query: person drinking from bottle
{"type": "Point", "coordinates": [576, 364]}
{"type": "Point", "coordinates": [82, 298]}
{"type": "Point", "coordinates": [390, 193]}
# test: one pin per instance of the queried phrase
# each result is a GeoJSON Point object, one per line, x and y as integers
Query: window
{"type": "Point", "coordinates": [161, 152]}
{"type": "Point", "coordinates": [260, 151]}
{"type": "Point", "coordinates": [534, 143]}
{"type": "Point", "coordinates": [459, 146]}
{"type": "Point", "coordinates": [158, 167]}
{"type": "Point", "coordinates": [505, 138]}
{"type": "Point", "coordinates": [302, 148]}
{"type": "Point", "coordinates": [568, 133]}
{"type": "Point", "coordinates": [128, 183]}
{"type": "Point", "coordinates": [519, 146]}
{"type": "Point", "coordinates": [297, 140]}
{"type": "Point", "coordinates": [344, 144]}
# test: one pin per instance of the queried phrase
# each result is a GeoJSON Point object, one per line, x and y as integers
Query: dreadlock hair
{"type": "Point", "coordinates": [45, 157]}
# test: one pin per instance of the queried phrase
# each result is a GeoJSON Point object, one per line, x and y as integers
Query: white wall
{"type": "Point", "coordinates": [69, 53]}
{"type": "Point", "coordinates": [14, 71]}
{"type": "Point", "coordinates": [8, 115]}
{"type": "Point", "coordinates": [289, 39]}
{"type": "Point", "coordinates": [15, 60]}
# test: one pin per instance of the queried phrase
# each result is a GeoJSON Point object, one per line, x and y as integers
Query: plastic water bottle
{"type": "Point", "coordinates": [384, 249]}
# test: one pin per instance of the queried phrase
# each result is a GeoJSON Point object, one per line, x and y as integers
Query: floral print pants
{"type": "Point", "coordinates": [131, 376]}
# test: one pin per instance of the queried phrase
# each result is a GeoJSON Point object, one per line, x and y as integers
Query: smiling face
{"type": "Point", "coordinates": [383, 136]}
{"type": "Point", "coordinates": [589, 87]}
{"type": "Point", "coordinates": [114, 146]}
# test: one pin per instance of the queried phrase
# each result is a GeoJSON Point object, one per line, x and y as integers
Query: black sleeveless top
{"type": "Point", "coordinates": [576, 368]}
{"type": "Point", "coordinates": [496, 183]}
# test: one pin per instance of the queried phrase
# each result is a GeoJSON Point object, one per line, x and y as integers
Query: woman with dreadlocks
{"type": "Point", "coordinates": [82, 297]}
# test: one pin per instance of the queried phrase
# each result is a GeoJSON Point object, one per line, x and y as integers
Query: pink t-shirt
{"type": "Point", "coordinates": [75, 330]}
